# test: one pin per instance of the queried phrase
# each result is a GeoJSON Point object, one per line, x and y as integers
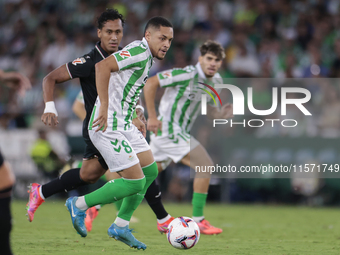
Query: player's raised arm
{"type": "Point", "coordinates": [150, 89]}
{"type": "Point", "coordinates": [50, 115]}
{"type": "Point", "coordinates": [103, 71]}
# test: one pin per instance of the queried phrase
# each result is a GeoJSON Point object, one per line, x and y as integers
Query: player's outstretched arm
{"type": "Point", "coordinates": [226, 112]}
{"type": "Point", "coordinates": [50, 115]}
{"type": "Point", "coordinates": [103, 71]}
{"type": "Point", "coordinates": [150, 89]}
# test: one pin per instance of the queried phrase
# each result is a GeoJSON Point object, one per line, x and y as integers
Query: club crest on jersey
{"type": "Point", "coordinates": [124, 54]}
{"type": "Point", "coordinates": [78, 61]}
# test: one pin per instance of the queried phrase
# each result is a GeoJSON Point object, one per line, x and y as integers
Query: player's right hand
{"type": "Point", "coordinates": [50, 119]}
{"type": "Point", "coordinates": [101, 120]}
{"type": "Point", "coordinates": [154, 125]}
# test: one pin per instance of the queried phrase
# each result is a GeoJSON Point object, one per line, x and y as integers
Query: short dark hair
{"type": "Point", "coordinates": [157, 22]}
{"type": "Point", "coordinates": [212, 47]}
{"type": "Point", "coordinates": [109, 14]}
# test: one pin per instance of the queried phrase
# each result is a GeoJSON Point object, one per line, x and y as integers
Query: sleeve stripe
{"type": "Point", "coordinates": [69, 73]}
{"type": "Point", "coordinates": [99, 52]}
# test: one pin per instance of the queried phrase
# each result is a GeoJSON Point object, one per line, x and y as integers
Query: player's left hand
{"type": "Point", "coordinates": [50, 119]}
{"type": "Point", "coordinates": [101, 120]}
{"type": "Point", "coordinates": [227, 111]}
{"type": "Point", "coordinates": [140, 125]}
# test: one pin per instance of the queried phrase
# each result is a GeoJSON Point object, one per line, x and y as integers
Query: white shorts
{"type": "Point", "coordinates": [119, 148]}
{"type": "Point", "coordinates": [172, 147]}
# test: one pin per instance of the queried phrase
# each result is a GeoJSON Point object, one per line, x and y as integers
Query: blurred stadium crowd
{"type": "Point", "coordinates": [262, 39]}
{"type": "Point", "coordinates": [274, 38]}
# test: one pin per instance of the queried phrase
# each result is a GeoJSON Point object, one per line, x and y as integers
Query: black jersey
{"type": "Point", "coordinates": [84, 69]}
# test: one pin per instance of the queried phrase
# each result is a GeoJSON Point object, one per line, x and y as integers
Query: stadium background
{"type": "Point", "coordinates": [262, 39]}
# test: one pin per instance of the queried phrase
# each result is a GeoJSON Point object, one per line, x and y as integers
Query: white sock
{"type": "Point", "coordinates": [98, 207]}
{"type": "Point", "coordinates": [81, 204]}
{"type": "Point", "coordinates": [121, 222]}
{"type": "Point", "coordinates": [198, 219]}
{"type": "Point", "coordinates": [161, 221]}
{"type": "Point", "coordinates": [40, 193]}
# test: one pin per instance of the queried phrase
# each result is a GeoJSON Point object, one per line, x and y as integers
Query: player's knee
{"type": "Point", "coordinates": [90, 176]}
{"type": "Point", "coordinates": [91, 179]}
{"type": "Point", "coordinates": [135, 186]}
{"type": "Point", "coordinates": [151, 171]}
{"type": "Point", "coordinates": [91, 171]}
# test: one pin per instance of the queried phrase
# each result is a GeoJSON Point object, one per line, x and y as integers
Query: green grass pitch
{"type": "Point", "coordinates": [247, 229]}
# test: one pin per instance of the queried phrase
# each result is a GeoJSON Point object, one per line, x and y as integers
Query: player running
{"type": "Point", "coordinates": [171, 140]}
{"type": "Point", "coordinates": [119, 80]}
{"type": "Point", "coordinates": [110, 33]}
{"type": "Point", "coordinates": [79, 109]}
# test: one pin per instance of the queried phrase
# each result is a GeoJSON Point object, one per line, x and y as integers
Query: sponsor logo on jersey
{"type": "Point", "coordinates": [78, 61]}
{"type": "Point", "coordinates": [124, 54]}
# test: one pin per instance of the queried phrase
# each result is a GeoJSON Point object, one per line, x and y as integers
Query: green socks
{"type": "Point", "coordinates": [118, 204]}
{"type": "Point", "coordinates": [131, 203]}
{"type": "Point", "coordinates": [114, 190]}
{"type": "Point", "coordinates": [198, 203]}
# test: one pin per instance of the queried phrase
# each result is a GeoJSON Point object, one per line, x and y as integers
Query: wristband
{"type": "Point", "coordinates": [50, 108]}
{"type": "Point", "coordinates": [140, 107]}
{"type": "Point", "coordinates": [134, 114]}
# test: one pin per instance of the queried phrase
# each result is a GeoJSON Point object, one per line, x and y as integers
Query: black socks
{"type": "Point", "coordinates": [153, 197]}
{"type": "Point", "coordinates": [67, 181]}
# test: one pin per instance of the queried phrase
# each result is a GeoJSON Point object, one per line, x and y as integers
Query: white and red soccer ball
{"type": "Point", "coordinates": [183, 233]}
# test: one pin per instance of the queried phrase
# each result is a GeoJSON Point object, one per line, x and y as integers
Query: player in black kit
{"type": "Point", "coordinates": [110, 33]}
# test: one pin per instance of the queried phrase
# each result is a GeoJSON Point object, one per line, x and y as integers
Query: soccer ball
{"type": "Point", "coordinates": [183, 233]}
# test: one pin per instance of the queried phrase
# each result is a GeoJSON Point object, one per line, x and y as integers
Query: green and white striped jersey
{"type": "Point", "coordinates": [181, 101]}
{"type": "Point", "coordinates": [125, 86]}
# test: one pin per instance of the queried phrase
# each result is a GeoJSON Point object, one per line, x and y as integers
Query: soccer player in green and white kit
{"type": "Point", "coordinates": [119, 80]}
{"type": "Point", "coordinates": [171, 139]}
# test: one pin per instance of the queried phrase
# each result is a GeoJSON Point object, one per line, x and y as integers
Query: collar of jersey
{"type": "Point", "coordinates": [102, 52]}
{"type": "Point", "coordinates": [145, 42]}
{"type": "Point", "coordinates": [200, 71]}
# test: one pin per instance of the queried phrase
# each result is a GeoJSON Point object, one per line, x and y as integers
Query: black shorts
{"type": "Point", "coordinates": [91, 151]}
{"type": "Point", "coordinates": [1, 159]}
